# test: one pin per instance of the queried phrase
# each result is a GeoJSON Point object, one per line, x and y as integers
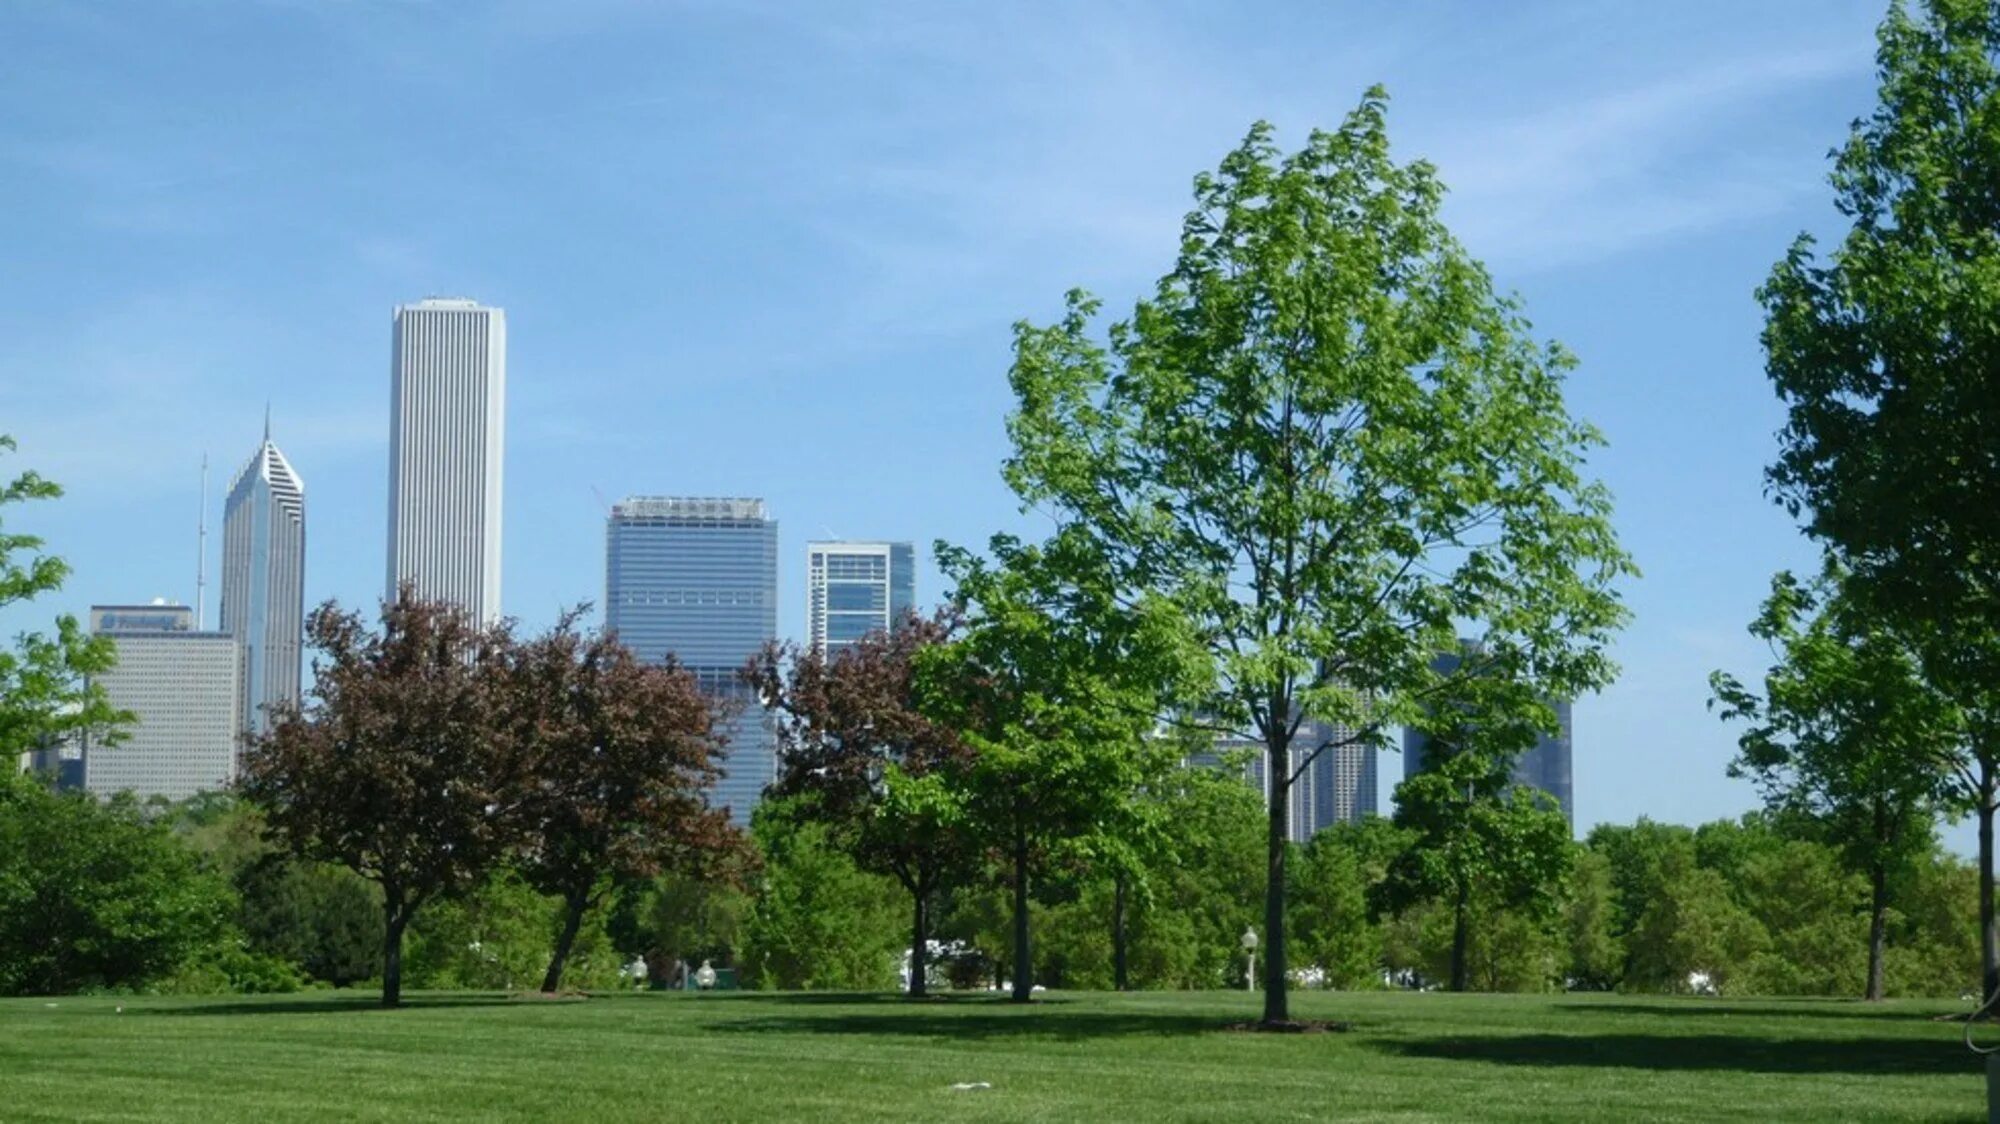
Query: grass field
{"type": "Point", "coordinates": [1151, 1057]}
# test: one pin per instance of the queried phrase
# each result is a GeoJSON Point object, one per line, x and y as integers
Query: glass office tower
{"type": "Point", "coordinates": [697, 579]}
{"type": "Point", "coordinates": [1545, 768]}
{"type": "Point", "coordinates": [855, 588]}
{"type": "Point", "coordinates": [263, 580]}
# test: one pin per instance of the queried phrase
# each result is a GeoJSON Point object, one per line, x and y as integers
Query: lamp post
{"type": "Point", "coordinates": [1249, 959]}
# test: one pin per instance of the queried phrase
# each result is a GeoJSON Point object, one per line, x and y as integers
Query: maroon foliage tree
{"type": "Point", "coordinates": [858, 757]}
{"type": "Point", "coordinates": [395, 766]}
{"type": "Point", "coordinates": [618, 757]}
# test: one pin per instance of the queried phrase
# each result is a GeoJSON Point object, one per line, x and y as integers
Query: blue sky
{"type": "Point", "coordinates": [774, 250]}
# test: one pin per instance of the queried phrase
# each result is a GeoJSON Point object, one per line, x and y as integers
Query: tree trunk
{"type": "Point", "coordinates": [1276, 1007]}
{"type": "Point", "coordinates": [1878, 929]}
{"type": "Point", "coordinates": [1120, 980]}
{"type": "Point", "coordinates": [920, 960]}
{"type": "Point", "coordinates": [1989, 937]}
{"type": "Point", "coordinates": [395, 915]}
{"type": "Point", "coordinates": [1024, 982]}
{"type": "Point", "coordinates": [564, 942]}
{"type": "Point", "coordinates": [1458, 938]}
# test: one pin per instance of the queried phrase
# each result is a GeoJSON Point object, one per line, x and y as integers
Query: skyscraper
{"type": "Point", "coordinates": [697, 579]}
{"type": "Point", "coordinates": [447, 410]}
{"type": "Point", "coordinates": [1546, 767]}
{"type": "Point", "coordinates": [1337, 786]}
{"type": "Point", "coordinates": [183, 686]}
{"type": "Point", "coordinates": [855, 588]}
{"type": "Point", "coordinates": [263, 580]}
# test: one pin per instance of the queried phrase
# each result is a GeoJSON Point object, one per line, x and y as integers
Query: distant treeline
{"type": "Point", "coordinates": [187, 898]}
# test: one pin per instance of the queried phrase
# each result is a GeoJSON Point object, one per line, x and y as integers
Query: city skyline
{"type": "Point", "coordinates": [263, 580]}
{"type": "Point", "coordinates": [447, 446]}
{"type": "Point", "coordinates": [1632, 175]}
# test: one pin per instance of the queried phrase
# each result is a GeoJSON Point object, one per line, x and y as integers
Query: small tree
{"type": "Point", "coordinates": [1328, 444]}
{"type": "Point", "coordinates": [1847, 738]}
{"type": "Point", "coordinates": [1052, 686]}
{"type": "Point", "coordinates": [1473, 831]}
{"type": "Point", "coordinates": [617, 758]}
{"type": "Point", "coordinates": [863, 761]}
{"type": "Point", "coordinates": [45, 685]}
{"type": "Point", "coordinates": [397, 765]}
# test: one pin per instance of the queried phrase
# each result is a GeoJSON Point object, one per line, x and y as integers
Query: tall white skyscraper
{"type": "Point", "coordinates": [855, 588]}
{"type": "Point", "coordinates": [448, 406]}
{"type": "Point", "coordinates": [263, 579]}
{"type": "Point", "coordinates": [183, 687]}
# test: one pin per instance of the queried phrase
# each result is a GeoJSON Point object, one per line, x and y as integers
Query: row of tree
{"type": "Point", "coordinates": [1881, 711]}
{"type": "Point", "coordinates": [1319, 454]}
{"type": "Point", "coordinates": [197, 898]}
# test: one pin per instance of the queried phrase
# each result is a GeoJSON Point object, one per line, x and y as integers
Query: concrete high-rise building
{"type": "Point", "coordinates": [184, 688]}
{"type": "Point", "coordinates": [447, 411]}
{"type": "Point", "coordinates": [855, 588]}
{"type": "Point", "coordinates": [697, 579]}
{"type": "Point", "coordinates": [263, 580]}
{"type": "Point", "coordinates": [1545, 767]}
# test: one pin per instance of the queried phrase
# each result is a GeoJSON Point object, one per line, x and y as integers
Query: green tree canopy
{"type": "Point", "coordinates": [1882, 352]}
{"type": "Point", "coordinates": [1329, 445]}
{"type": "Point", "coordinates": [45, 686]}
{"type": "Point", "coordinates": [1847, 737]}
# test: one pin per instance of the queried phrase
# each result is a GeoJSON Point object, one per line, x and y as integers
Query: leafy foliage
{"type": "Point", "coordinates": [1052, 687]}
{"type": "Point", "coordinates": [1847, 738]}
{"type": "Point", "coordinates": [1881, 353]}
{"type": "Point", "coordinates": [617, 758]}
{"type": "Point", "coordinates": [818, 921]}
{"type": "Point", "coordinates": [45, 686]}
{"type": "Point", "coordinates": [397, 767]}
{"type": "Point", "coordinates": [1326, 443]}
{"type": "Point", "coordinates": [95, 896]}
{"type": "Point", "coordinates": [888, 784]}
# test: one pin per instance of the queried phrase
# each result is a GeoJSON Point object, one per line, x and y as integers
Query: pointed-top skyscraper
{"type": "Point", "coordinates": [264, 579]}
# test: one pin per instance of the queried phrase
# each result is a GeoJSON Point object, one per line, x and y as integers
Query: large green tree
{"type": "Point", "coordinates": [1847, 738]}
{"type": "Point", "coordinates": [45, 686]}
{"type": "Point", "coordinates": [1884, 354]}
{"type": "Point", "coordinates": [1331, 445]}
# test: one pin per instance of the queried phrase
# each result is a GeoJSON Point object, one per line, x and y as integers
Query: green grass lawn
{"type": "Point", "coordinates": [1150, 1057]}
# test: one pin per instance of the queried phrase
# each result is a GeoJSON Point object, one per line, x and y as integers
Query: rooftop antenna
{"type": "Point", "coordinates": [201, 549]}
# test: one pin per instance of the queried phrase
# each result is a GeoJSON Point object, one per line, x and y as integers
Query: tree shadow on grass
{"type": "Point", "coordinates": [868, 998]}
{"type": "Point", "coordinates": [1745, 1053]}
{"type": "Point", "coordinates": [984, 1021]}
{"type": "Point", "coordinates": [1774, 1009]}
{"type": "Point", "coordinates": [322, 1004]}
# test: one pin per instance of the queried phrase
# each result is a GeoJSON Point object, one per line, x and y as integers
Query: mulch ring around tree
{"type": "Point", "coordinates": [1292, 1026]}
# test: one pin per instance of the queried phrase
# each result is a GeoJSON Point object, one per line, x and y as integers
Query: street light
{"type": "Point", "coordinates": [1249, 959]}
